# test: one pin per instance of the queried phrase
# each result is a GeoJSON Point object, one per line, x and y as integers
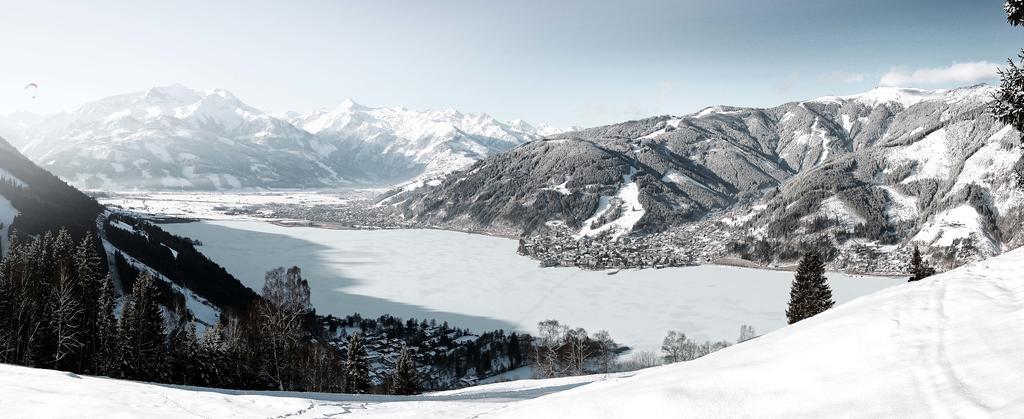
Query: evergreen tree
{"type": "Point", "coordinates": [65, 320]}
{"type": "Point", "coordinates": [89, 268]}
{"type": "Point", "coordinates": [107, 357]}
{"type": "Point", "coordinates": [810, 293]}
{"type": "Point", "coordinates": [1009, 104]}
{"type": "Point", "coordinates": [183, 349]}
{"type": "Point", "coordinates": [919, 269]}
{"type": "Point", "coordinates": [405, 381]}
{"type": "Point", "coordinates": [58, 305]}
{"type": "Point", "coordinates": [8, 277]}
{"type": "Point", "coordinates": [1014, 12]}
{"type": "Point", "coordinates": [21, 277]}
{"type": "Point", "coordinates": [213, 355]}
{"type": "Point", "coordinates": [35, 341]}
{"type": "Point", "coordinates": [357, 370]}
{"type": "Point", "coordinates": [515, 354]}
{"type": "Point", "coordinates": [142, 332]}
{"type": "Point", "coordinates": [62, 252]}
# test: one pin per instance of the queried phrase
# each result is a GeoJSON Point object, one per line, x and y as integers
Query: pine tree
{"type": "Point", "coordinates": [1014, 12]}
{"type": "Point", "coordinates": [61, 310]}
{"type": "Point", "coordinates": [515, 354]}
{"type": "Point", "coordinates": [8, 277]}
{"type": "Point", "coordinates": [107, 357]}
{"type": "Point", "coordinates": [183, 349]}
{"type": "Point", "coordinates": [65, 321]}
{"type": "Point", "coordinates": [405, 381]}
{"type": "Point", "coordinates": [357, 370]}
{"type": "Point", "coordinates": [213, 338]}
{"type": "Point", "coordinates": [810, 293]}
{"type": "Point", "coordinates": [1008, 107]}
{"type": "Point", "coordinates": [22, 276]}
{"type": "Point", "coordinates": [213, 356]}
{"type": "Point", "coordinates": [142, 332]}
{"type": "Point", "coordinates": [36, 280]}
{"type": "Point", "coordinates": [89, 268]}
{"type": "Point", "coordinates": [919, 269]}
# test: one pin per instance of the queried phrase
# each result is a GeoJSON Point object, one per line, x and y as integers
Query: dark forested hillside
{"type": "Point", "coordinates": [178, 260]}
{"type": "Point", "coordinates": [44, 201]}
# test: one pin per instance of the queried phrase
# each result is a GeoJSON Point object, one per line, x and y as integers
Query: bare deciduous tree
{"type": "Point", "coordinates": [578, 350]}
{"type": "Point", "coordinates": [550, 337]}
{"type": "Point", "coordinates": [285, 302]}
{"type": "Point", "coordinates": [747, 332]}
{"type": "Point", "coordinates": [605, 355]}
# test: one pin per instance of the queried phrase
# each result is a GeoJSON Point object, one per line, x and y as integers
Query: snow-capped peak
{"type": "Point", "coordinates": [350, 105]}
{"type": "Point", "coordinates": [442, 140]}
{"type": "Point", "coordinates": [903, 95]}
{"type": "Point", "coordinates": [172, 93]}
{"type": "Point", "coordinates": [909, 96]}
{"type": "Point", "coordinates": [158, 136]}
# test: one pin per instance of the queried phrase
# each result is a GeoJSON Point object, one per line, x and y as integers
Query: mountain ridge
{"type": "Point", "coordinates": [874, 169]}
{"type": "Point", "coordinates": [173, 137]}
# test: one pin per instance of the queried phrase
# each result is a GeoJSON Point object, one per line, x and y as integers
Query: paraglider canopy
{"type": "Point", "coordinates": [32, 87]}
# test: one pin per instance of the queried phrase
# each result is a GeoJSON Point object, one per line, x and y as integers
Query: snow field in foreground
{"type": "Point", "coordinates": [947, 346]}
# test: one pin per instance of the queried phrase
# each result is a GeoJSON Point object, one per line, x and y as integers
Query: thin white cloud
{"type": "Point", "coordinates": [957, 73]}
{"type": "Point", "coordinates": [843, 77]}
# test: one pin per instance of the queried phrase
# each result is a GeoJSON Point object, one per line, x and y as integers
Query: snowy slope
{"type": "Point", "coordinates": [948, 346]}
{"type": "Point", "coordinates": [37, 393]}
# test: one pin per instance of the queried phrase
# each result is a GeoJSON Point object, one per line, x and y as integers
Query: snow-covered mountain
{"type": "Point", "coordinates": [440, 141]}
{"type": "Point", "coordinates": [14, 126]}
{"type": "Point", "coordinates": [173, 137]}
{"type": "Point", "coordinates": [946, 346]}
{"type": "Point", "coordinates": [873, 169]}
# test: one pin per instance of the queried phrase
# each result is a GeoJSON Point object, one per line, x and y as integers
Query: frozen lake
{"type": "Point", "coordinates": [479, 282]}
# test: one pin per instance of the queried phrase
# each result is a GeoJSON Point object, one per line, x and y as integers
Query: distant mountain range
{"type": "Point", "coordinates": [883, 169]}
{"type": "Point", "coordinates": [175, 138]}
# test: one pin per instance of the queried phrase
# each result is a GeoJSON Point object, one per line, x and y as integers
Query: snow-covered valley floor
{"type": "Point", "coordinates": [479, 282]}
{"type": "Point", "coordinates": [947, 346]}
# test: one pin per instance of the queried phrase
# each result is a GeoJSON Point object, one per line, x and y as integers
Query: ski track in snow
{"type": "Point", "coordinates": [627, 199]}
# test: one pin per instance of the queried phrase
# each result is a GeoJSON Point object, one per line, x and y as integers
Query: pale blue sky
{"type": "Point", "coordinates": [580, 62]}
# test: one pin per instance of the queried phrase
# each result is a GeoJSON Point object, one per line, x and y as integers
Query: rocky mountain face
{"type": "Point", "coordinates": [175, 138]}
{"type": "Point", "coordinates": [880, 170]}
